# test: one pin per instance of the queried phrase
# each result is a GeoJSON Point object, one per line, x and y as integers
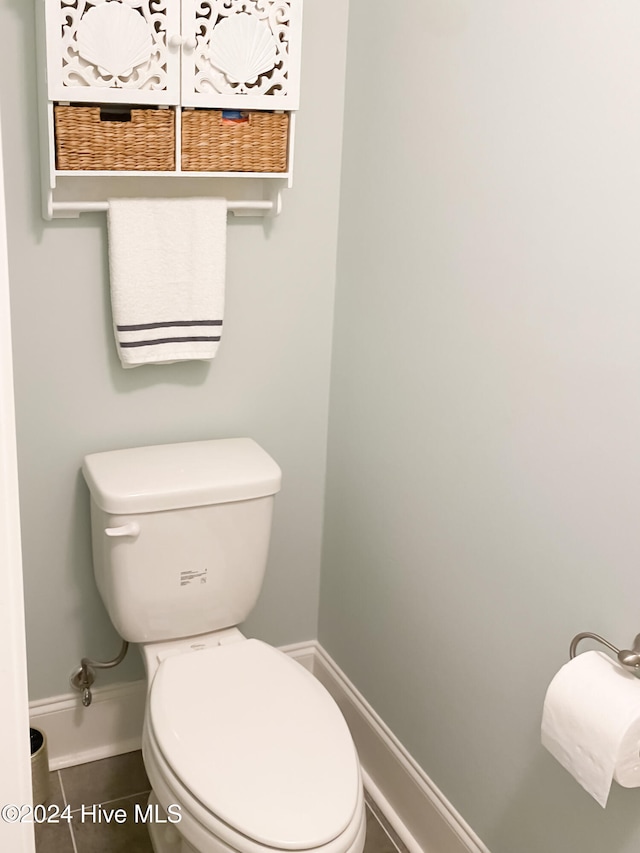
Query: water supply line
{"type": "Point", "coordinates": [83, 677]}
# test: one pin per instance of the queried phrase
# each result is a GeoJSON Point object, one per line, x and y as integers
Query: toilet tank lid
{"type": "Point", "coordinates": [175, 476]}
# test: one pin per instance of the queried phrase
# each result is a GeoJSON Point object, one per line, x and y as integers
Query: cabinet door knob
{"type": "Point", "coordinates": [190, 43]}
{"type": "Point", "coordinates": [175, 41]}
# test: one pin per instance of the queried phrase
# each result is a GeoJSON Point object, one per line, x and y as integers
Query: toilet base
{"type": "Point", "coordinates": [165, 838]}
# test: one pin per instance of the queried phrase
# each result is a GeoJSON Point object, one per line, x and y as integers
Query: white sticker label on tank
{"type": "Point", "coordinates": [190, 576]}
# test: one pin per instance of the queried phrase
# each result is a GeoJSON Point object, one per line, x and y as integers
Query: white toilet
{"type": "Point", "coordinates": [245, 750]}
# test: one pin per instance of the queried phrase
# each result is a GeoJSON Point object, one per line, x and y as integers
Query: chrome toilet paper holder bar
{"type": "Point", "coordinates": [627, 658]}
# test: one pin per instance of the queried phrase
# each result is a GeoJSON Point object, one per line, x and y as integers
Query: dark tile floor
{"type": "Point", "coordinates": [121, 783]}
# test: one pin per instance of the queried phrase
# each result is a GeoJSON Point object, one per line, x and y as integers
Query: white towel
{"type": "Point", "coordinates": [167, 261]}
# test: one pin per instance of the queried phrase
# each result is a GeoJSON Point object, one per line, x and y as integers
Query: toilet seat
{"type": "Point", "coordinates": [257, 743]}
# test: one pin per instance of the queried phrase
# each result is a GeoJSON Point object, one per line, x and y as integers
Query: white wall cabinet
{"type": "Point", "coordinates": [179, 54]}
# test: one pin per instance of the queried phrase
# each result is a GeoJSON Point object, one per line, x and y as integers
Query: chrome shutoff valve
{"type": "Point", "coordinates": [82, 679]}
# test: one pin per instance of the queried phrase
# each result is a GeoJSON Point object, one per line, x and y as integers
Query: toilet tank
{"type": "Point", "coordinates": [180, 534]}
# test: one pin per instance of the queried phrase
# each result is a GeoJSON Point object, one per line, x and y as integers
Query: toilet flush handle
{"type": "Point", "coordinates": [130, 529]}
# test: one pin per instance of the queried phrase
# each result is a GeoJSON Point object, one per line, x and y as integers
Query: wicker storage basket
{"type": "Point", "coordinates": [211, 145]}
{"type": "Point", "coordinates": [135, 140]}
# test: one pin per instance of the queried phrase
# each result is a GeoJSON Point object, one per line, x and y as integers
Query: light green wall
{"type": "Point", "coordinates": [482, 498]}
{"type": "Point", "coordinates": [269, 381]}
{"type": "Point", "coordinates": [484, 465]}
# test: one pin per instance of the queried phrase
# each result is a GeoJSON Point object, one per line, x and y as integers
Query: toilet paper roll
{"type": "Point", "coordinates": [591, 723]}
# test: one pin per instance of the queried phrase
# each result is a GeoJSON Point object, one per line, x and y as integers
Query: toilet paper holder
{"type": "Point", "coordinates": [627, 658]}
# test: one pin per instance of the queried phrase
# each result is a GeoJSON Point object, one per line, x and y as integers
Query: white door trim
{"type": "Point", "coordinates": [15, 772]}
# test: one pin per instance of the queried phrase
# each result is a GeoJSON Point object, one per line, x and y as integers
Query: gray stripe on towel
{"type": "Point", "coordinates": [140, 326]}
{"type": "Point", "coordinates": [169, 341]}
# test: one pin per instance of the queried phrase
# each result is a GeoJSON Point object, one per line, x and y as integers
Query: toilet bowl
{"type": "Point", "coordinates": [251, 749]}
{"type": "Point", "coordinates": [245, 750]}
{"type": "Point", "coordinates": [199, 831]}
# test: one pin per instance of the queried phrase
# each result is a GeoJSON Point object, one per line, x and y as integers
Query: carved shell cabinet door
{"type": "Point", "coordinates": [113, 51]}
{"type": "Point", "coordinates": [242, 54]}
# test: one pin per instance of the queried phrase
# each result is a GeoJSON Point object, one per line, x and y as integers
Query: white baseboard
{"type": "Point", "coordinates": [305, 653]}
{"type": "Point", "coordinates": [111, 725]}
{"type": "Point", "coordinates": [415, 808]}
{"type": "Point", "coordinates": [420, 815]}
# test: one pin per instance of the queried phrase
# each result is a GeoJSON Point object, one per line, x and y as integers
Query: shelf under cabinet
{"type": "Point", "coordinates": [77, 173]}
